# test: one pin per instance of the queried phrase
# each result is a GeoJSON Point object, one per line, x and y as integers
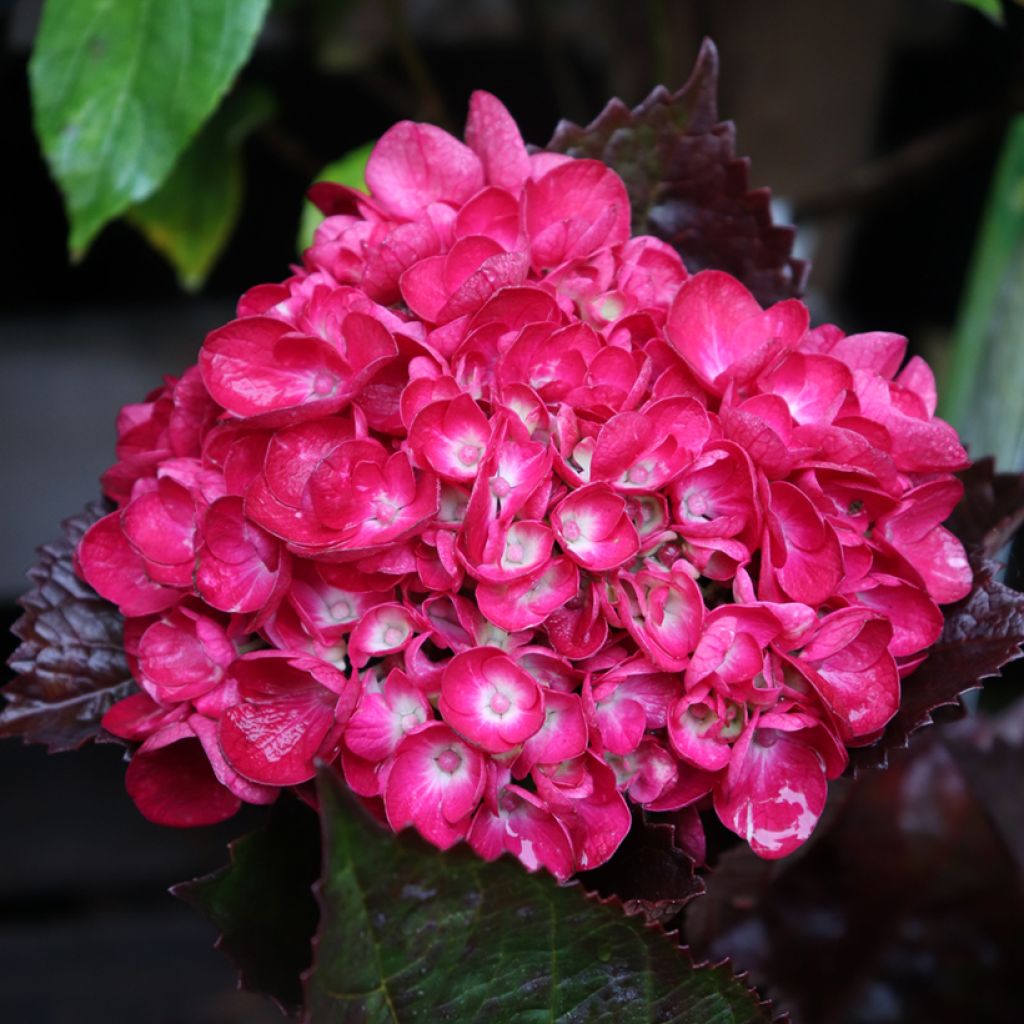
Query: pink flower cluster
{"type": "Point", "coordinates": [520, 523]}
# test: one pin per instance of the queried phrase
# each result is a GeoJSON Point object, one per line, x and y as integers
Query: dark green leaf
{"type": "Point", "coordinates": [687, 186]}
{"type": "Point", "coordinates": [410, 934]}
{"type": "Point", "coordinates": [119, 87]}
{"type": "Point", "coordinates": [70, 664]}
{"type": "Point", "coordinates": [349, 170]}
{"type": "Point", "coordinates": [262, 902]}
{"type": "Point", "coordinates": [191, 216]}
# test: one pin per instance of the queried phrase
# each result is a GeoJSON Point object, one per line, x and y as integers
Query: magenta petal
{"type": "Point", "coordinates": [525, 828]}
{"type": "Point", "coordinates": [138, 716]}
{"type": "Point", "coordinates": [575, 209]}
{"type": "Point", "coordinates": [160, 525]}
{"type": "Point", "coordinates": [773, 793]}
{"type": "Point", "coordinates": [423, 287]}
{"type": "Point", "coordinates": [854, 670]}
{"type": "Point", "coordinates": [807, 556]}
{"type": "Point", "coordinates": [489, 699]}
{"type": "Point", "coordinates": [705, 315]}
{"type": "Point", "coordinates": [494, 136]}
{"type": "Point", "coordinates": [414, 165]}
{"type": "Point", "coordinates": [172, 783]}
{"type": "Point", "coordinates": [434, 784]}
{"type": "Point", "coordinates": [258, 367]}
{"type": "Point", "coordinates": [276, 744]}
{"type": "Point", "coordinates": [116, 572]}
{"type": "Point", "coordinates": [285, 720]}
{"type": "Point", "coordinates": [527, 602]}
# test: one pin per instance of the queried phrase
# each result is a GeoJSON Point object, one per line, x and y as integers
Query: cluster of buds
{"type": "Point", "coordinates": [513, 519]}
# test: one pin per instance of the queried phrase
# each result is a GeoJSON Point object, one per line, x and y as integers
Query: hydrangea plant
{"type": "Point", "coordinates": [533, 508]}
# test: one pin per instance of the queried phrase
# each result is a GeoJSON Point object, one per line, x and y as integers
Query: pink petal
{"type": "Point", "coordinates": [489, 699]}
{"type": "Point", "coordinates": [494, 136]}
{"type": "Point", "coordinates": [527, 602]}
{"type": "Point", "coordinates": [774, 792]}
{"type": "Point", "coordinates": [575, 209]}
{"type": "Point", "coordinates": [414, 165]}
{"type": "Point", "coordinates": [172, 783]}
{"type": "Point", "coordinates": [434, 784]}
{"type": "Point", "coordinates": [109, 564]}
{"type": "Point", "coordinates": [806, 556]}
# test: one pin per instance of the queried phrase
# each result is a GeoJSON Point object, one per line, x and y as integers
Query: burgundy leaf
{"type": "Point", "coordinates": [990, 756]}
{"type": "Point", "coordinates": [70, 664]}
{"type": "Point", "coordinates": [991, 509]}
{"type": "Point", "coordinates": [982, 633]}
{"type": "Point", "coordinates": [906, 907]}
{"type": "Point", "coordinates": [687, 186]}
{"type": "Point", "coordinates": [648, 873]}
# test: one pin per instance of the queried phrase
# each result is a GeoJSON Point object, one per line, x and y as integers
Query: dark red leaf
{"type": "Point", "coordinates": [648, 873]}
{"type": "Point", "coordinates": [991, 510]}
{"type": "Point", "coordinates": [70, 664]}
{"type": "Point", "coordinates": [908, 904]}
{"type": "Point", "coordinates": [990, 756]}
{"type": "Point", "coordinates": [687, 186]}
{"type": "Point", "coordinates": [982, 633]}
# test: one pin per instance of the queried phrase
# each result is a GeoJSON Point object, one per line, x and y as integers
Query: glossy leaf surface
{"type": "Point", "coordinates": [119, 88]}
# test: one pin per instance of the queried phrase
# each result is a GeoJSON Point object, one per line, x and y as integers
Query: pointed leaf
{"type": "Point", "coordinates": [991, 510]}
{"type": "Point", "coordinates": [980, 395]}
{"type": "Point", "coordinates": [687, 186]}
{"type": "Point", "coordinates": [349, 170]}
{"type": "Point", "coordinates": [262, 901]}
{"type": "Point", "coordinates": [648, 873]}
{"type": "Point", "coordinates": [408, 934]}
{"type": "Point", "coordinates": [191, 216]}
{"type": "Point", "coordinates": [118, 89]}
{"type": "Point", "coordinates": [70, 664]}
{"type": "Point", "coordinates": [982, 633]}
{"type": "Point", "coordinates": [990, 8]}
{"type": "Point", "coordinates": [906, 906]}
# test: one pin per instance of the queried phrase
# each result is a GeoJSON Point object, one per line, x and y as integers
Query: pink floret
{"type": "Point", "coordinates": [521, 525]}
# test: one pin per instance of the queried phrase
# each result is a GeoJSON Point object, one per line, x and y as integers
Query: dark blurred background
{"type": "Point", "coordinates": [876, 123]}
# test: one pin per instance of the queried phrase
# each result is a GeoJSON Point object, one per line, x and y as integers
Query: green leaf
{"type": "Point", "coordinates": [410, 934]}
{"type": "Point", "coordinates": [982, 395]}
{"type": "Point", "coordinates": [349, 170]}
{"type": "Point", "coordinates": [191, 216]}
{"type": "Point", "coordinates": [990, 8]}
{"type": "Point", "coordinates": [119, 87]}
{"type": "Point", "coordinates": [262, 902]}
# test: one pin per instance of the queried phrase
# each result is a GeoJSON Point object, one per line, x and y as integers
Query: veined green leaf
{"type": "Point", "coordinates": [119, 87]}
{"type": "Point", "coordinates": [191, 216]}
{"type": "Point", "coordinates": [408, 934]}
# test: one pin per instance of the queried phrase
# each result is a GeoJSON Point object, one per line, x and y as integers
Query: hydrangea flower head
{"type": "Point", "coordinates": [505, 513]}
